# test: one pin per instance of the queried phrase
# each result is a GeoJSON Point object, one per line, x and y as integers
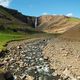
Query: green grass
{"type": "Point", "coordinates": [5, 37]}
{"type": "Point", "coordinates": [11, 36]}
{"type": "Point", "coordinates": [73, 19]}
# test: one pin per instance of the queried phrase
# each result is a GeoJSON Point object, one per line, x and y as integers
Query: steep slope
{"type": "Point", "coordinates": [15, 21]}
{"type": "Point", "coordinates": [56, 24]}
{"type": "Point", "coordinates": [72, 34]}
{"type": "Point", "coordinates": [19, 16]}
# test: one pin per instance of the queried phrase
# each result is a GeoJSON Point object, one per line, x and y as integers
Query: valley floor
{"type": "Point", "coordinates": [46, 58]}
{"type": "Point", "coordinates": [26, 61]}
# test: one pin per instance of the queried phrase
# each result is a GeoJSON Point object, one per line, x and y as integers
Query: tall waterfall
{"type": "Point", "coordinates": [36, 20]}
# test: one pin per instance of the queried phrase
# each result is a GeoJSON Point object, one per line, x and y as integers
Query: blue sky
{"type": "Point", "coordinates": [43, 7]}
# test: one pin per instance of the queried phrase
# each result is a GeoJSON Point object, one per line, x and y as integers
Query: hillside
{"type": "Point", "coordinates": [72, 34]}
{"type": "Point", "coordinates": [56, 24]}
{"type": "Point", "coordinates": [13, 20]}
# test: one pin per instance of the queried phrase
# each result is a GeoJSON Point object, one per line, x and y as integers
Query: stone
{"type": "Point", "coordinates": [8, 76]}
{"type": "Point", "coordinates": [23, 76]}
{"type": "Point", "coordinates": [29, 77]}
{"type": "Point", "coordinates": [55, 74]}
{"type": "Point", "coordinates": [15, 77]}
{"type": "Point", "coordinates": [2, 76]}
{"type": "Point", "coordinates": [78, 77]}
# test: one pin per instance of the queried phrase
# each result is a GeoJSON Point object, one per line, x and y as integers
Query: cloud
{"type": "Point", "coordinates": [54, 14]}
{"type": "Point", "coordinates": [70, 14]}
{"type": "Point", "coordinates": [5, 3]}
{"type": "Point", "coordinates": [45, 13]}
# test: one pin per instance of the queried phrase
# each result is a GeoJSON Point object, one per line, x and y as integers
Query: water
{"type": "Point", "coordinates": [30, 61]}
{"type": "Point", "coordinates": [36, 22]}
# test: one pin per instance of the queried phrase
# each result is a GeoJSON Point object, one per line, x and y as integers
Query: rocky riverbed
{"type": "Point", "coordinates": [26, 61]}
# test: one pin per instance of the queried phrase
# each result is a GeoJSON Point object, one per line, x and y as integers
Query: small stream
{"type": "Point", "coordinates": [27, 60]}
{"type": "Point", "coordinates": [37, 66]}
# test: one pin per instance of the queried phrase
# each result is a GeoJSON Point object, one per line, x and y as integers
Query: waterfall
{"type": "Point", "coordinates": [36, 22]}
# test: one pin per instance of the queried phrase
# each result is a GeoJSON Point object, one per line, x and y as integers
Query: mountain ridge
{"type": "Point", "coordinates": [16, 21]}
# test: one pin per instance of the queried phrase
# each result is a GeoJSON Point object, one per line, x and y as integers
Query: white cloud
{"type": "Point", "coordinates": [54, 14]}
{"type": "Point", "coordinates": [5, 3]}
{"type": "Point", "coordinates": [70, 14]}
{"type": "Point", "coordinates": [45, 13]}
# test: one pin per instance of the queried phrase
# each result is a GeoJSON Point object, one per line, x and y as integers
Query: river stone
{"type": "Point", "coordinates": [8, 76]}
